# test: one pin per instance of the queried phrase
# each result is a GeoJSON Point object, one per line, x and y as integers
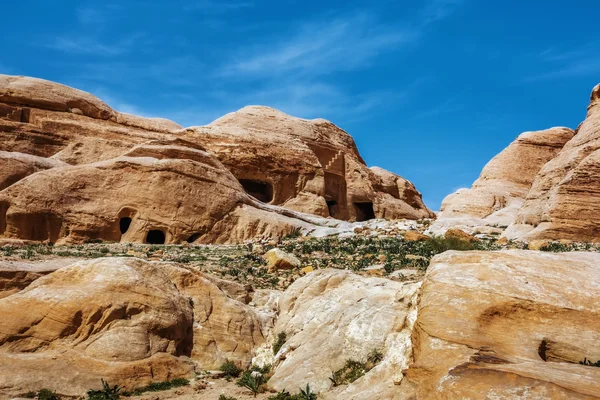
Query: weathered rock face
{"type": "Point", "coordinates": [563, 202]}
{"type": "Point", "coordinates": [502, 187]}
{"type": "Point", "coordinates": [95, 173]}
{"type": "Point", "coordinates": [307, 165]}
{"type": "Point", "coordinates": [122, 319]}
{"type": "Point", "coordinates": [331, 316]}
{"type": "Point", "coordinates": [507, 325]}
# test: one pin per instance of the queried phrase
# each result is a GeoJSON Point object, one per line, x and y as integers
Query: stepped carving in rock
{"type": "Point", "coordinates": [95, 173]}
{"type": "Point", "coordinates": [496, 197]}
{"type": "Point", "coordinates": [563, 202]}
{"type": "Point", "coordinates": [120, 319]}
{"type": "Point", "coordinates": [310, 166]}
{"type": "Point", "coordinates": [507, 325]}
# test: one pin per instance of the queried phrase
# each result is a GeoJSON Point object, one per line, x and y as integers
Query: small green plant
{"type": "Point", "coordinates": [350, 372]}
{"type": "Point", "coordinates": [279, 342]}
{"type": "Point", "coordinates": [283, 395]}
{"type": "Point", "coordinates": [296, 233]}
{"type": "Point", "coordinates": [230, 369]}
{"type": "Point", "coordinates": [47, 394]}
{"type": "Point", "coordinates": [375, 357]}
{"type": "Point", "coordinates": [30, 395]}
{"type": "Point", "coordinates": [223, 397]}
{"type": "Point", "coordinates": [253, 381]}
{"type": "Point", "coordinates": [106, 393]}
{"type": "Point", "coordinates": [589, 363]}
{"type": "Point", "coordinates": [307, 394]}
{"type": "Point", "coordinates": [159, 386]}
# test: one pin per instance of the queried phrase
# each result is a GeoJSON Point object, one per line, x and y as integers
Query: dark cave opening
{"type": "Point", "coordinates": [193, 238]}
{"type": "Point", "coordinates": [124, 224]}
{"type": "Point", "coordinates": [332, 207]}
{"type": "Point", "coordinates": [364, 211]}
{"type": "Point", "coordinates": [260, 190]}
{"type": "Point", "coordinates": [155, 236]}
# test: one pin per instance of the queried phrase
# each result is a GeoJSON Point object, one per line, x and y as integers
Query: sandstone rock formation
{"type": "Point", "coordinates": [121, 319]}
{"type": "Point", "coordinates": [563, 202]}
{"type": "Point", "coordinates": [331, 316]}
{"type": "Point", "coordinates": [502, 187]}
{"type": "Point", "coordinates": [307, 165]}
{"type": "Point", "coordinates": [507, 325]}
{"type": "Point", "coordinates": [94, 173]}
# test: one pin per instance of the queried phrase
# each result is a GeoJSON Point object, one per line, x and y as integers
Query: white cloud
{"type": "Point", "coordinates": [323, 46]}
{"type": "Point", "coordinates": [92, 46]}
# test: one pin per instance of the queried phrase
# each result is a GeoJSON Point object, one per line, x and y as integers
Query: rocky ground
{"type": "Point", "coordinates": [267, 270]}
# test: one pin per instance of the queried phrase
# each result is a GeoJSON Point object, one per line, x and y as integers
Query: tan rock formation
{"type": "Point", "coordinates": [278, 259]}
{"type": "Point", "coordinates": [331, 316]}
{"type": "Point", "coordinates": [563, 202]}
{"type": "Point", "coordinates": [502, 187]}
{"type": "Point", "coordinates": [122, 319]}
{"type": "Point", "coordinates": [16, 166]}
{"type": "Point", "coordinates": [514, 325]}
{"type": "Point", "coordinates": [121, 166]}
{"type": "Point", "coordinates": [306, 165]}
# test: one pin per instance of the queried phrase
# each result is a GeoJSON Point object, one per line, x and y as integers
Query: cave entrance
{"type": "Point", "coordinates": [124, 224]}
{"type": "Point", "coordinates": [364, 211]}
{"type": "Point", "coordinates": [193, 238]}
{"type": "Point", "coordinates": [155, 236]}
{"type": "Point", "coordinates": [333, 208]}
{"type": "Point", "coordinates": [260, 190]}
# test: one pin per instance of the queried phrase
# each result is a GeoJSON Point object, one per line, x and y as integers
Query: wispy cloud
{"type": "Point", "coordinates": [217, 7]}
{"type": "Point", "coordinates": [321, 47]}
{"type": "Point", "coordinates": [437, 10]}
{"type": "Point", "coordinates": [93, 46]}
{"type": "Point", "coordinates": [557, 63]}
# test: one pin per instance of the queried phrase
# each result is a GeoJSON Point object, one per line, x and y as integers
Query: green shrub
{"type": "Point", "coordinates": [279, 342]}
{"type": "Point", "coordinates": [375, 357]}
{"type": "Point", "coordinates": [223, 397]}
{"type": "Point", "coordinates": [306, 394]}
{"type": "Point", "coordinates": [283, 395]}
{"type": "Point", "coordinates": [230, 369]}
{"type": "Point", "coordinates": [47, 394]}
{"type": "Point", "coordinates": [106, 393]}
{"type": "Point", "coordinates": [159, 386]}
{"type": "Point", "coordinates": [350, 372]}
{"type": "Point", "coordinates": [30, 395]}
{"type": "Point", "coordinates": [253, 381]}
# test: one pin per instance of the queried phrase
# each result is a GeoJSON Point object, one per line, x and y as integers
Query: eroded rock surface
{"type": "Point", "coordinates": [496, 197]}
{"type": "Point", "coordinates": [331, 316]}
{"type": "Point", "coordinates": [310, 166]}
{"type": "Point", "coordinates": [100, 174]}
{"type": "Point", "coordinates": [122, 319]}
{"type": "Point", "coordinates": [507, 325]}
{"type": "Point", "coordinates": [563, 202]}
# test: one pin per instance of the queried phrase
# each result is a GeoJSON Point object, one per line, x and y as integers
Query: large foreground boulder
{"type": "Point", "coordinates": [507, 325]}
{"type": "Point", "coordinates": [331, 316]}
{"type": "Point", "coordinates": [125, 320]}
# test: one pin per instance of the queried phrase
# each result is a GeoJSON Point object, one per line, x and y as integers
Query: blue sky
{"type": "Point", "coordinates": [429, 89]}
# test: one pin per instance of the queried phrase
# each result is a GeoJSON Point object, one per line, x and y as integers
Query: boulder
{"type": "Point", "coordinates": [515, 324]}
{"type": "Point", "coordinates": [331, 316]}
{"type": "Point", "coordinates": [278, 259]}
{"type": "Point", "coordinates": [118, 319]}
{"type": "Point", "coordinates": [17, 275]}
{"type": "Point", "coordinates": [413, 236]}
{"type": "Point", "coordinates": [460, 235]}
{"type": "Point", "coordinates": [125, 320]}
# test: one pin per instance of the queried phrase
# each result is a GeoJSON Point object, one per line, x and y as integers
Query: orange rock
{"type": "Point", "coordinates": [460, 234]}
{"type": "Point", "coordinates": [413, 236]}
